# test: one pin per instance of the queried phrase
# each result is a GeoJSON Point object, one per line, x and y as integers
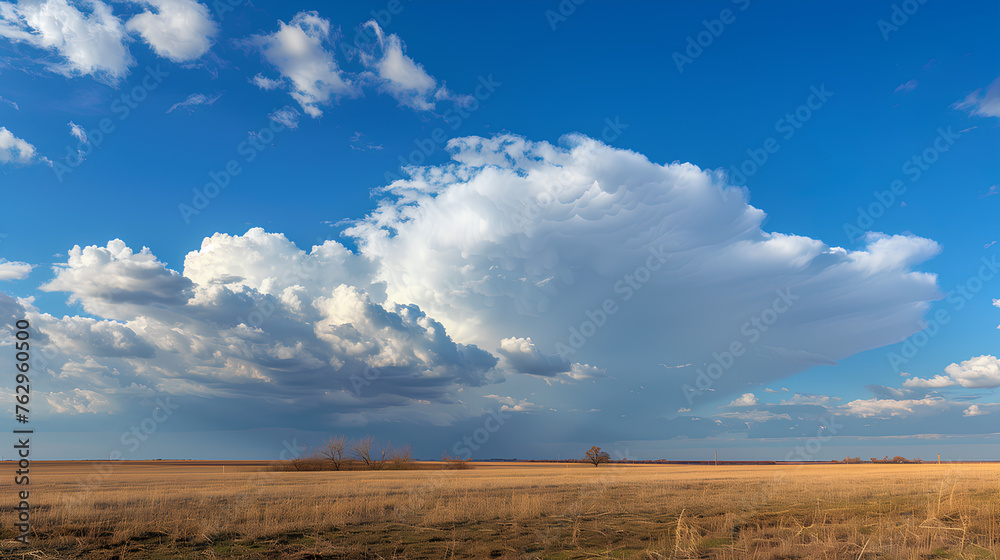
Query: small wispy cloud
{"type": "Point", "coordinates": [265, 83]}
{"type": "Point", "coordinates": [907, 87]}
{"type": "Point", "coordinates": [358, 142]}
{"type": "Point", "coordinates": [77, 131]}
{"type": "Point", "coordinates": [286, 116]}
{"type": "Point", "coordinates": [982, 104]}
{"type": "Point", "coordinates": [994, 189]}
{"type": "Point", "coordinates": [195, 100]}
{"type": "Point", "coordinates": [9, 102]}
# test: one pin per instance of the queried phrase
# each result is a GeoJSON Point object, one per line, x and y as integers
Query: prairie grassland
{"type": "Point", "coordinates": [513, 511]}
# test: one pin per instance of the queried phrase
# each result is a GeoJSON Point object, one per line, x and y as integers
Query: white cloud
{"type": "Point", "coordinates": [937, 381]}
{"type": "Point", "coordinates": [9, 102]}
{"type": "Point", "coordinates": [519, 239]}
{"type": "Point", "coordinates": [981, 372]}
{"type": "Point", "coordinates": [180, 30]}
{"type": "Point", "coordinates": [512, 246]}
{"type": "Point", "coordinates": [819, 400]}
{"type": "Point", "coordinates": [114, 281]}
{"type": "Point", "coordinates": [983, 105]}
{"type": "Point", "coordinates": [884, 408]}
{"type": "Point", "coordinates": [265, 83]}
{"type": "Point", "coordinates": [195, 100]}
{"type": "Point", "coordinates": [77, 132]}
{"type": "Point", "coordinates": [755, 416]}
{"type": "Point", "coordinates": [16, 150]}
{"type": "Point", "coordinates": [401, 77]}
{"type": "Point", "coordinates": [974, 410]}
{"type": "Point", "coordinates": [514, 405]}
{"type": "Point", "coordinates": [747, 399]}
{"type": "Point", "coordinates": [297, 50]}
{"type": "Point", "coordinates": [78, 401]}
{"type": "Point", "coordinates": [14, 270]}
{"type": "Point", "coordinates": [521, 356]}
{"type": "Point", "coordinates": [91, 44]}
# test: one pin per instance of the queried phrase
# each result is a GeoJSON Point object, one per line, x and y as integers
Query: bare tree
{"type": "Point", "coordinates": [363, 451]}
{"type": "Point", "coordinates": [383, 455]}
{"type": "Point", "coordinates": [370, 453]}
{"type": "Point", "coordinates": [333, 451]}
{"type": "Point", "coordinates": [401, 457]}
{"type": "Point", "coordinates": [596, 456]}
{"type": "Point", "coordinates": [307, 461]}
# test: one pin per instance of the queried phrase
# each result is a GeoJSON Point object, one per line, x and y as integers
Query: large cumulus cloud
{"type": "Point", "coordinates": [517, 239]}
{"type": "Point", "coordinates": [520, 261]}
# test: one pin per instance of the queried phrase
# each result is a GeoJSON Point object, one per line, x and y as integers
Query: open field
{"type": "Point", "coordinates": [194, 510]}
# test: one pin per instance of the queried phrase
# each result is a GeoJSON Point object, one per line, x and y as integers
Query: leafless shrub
{"type": "Point", "coordinates": [401, 458]}
{"type": "Point", "coordinates": [454, 463]}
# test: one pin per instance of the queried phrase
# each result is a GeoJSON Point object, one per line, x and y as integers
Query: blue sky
{"type": "Point", "coordinates": [513, 230]}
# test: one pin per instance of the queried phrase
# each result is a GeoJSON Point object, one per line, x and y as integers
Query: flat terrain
{"type": "Point", "coordinates": [190, 509]}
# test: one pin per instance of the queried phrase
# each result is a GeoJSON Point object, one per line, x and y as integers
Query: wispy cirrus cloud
{"type": "Point", "coordinates": [194, 101]}
{"type": "Point", "coordinates": [906, 87]}
{"type": "Point", "coordinates": [982, 104]}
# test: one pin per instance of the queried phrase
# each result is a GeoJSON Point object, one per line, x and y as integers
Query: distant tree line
{"type": "Point", "coordinates": [363, 454]}
{"type": "Point", "coordinates": [897, 459]}
{"type": "Point", "coordinates": [340, 454]}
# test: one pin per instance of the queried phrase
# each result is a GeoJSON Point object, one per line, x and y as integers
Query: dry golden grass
{"type": "Point", "coordinates": [513, 511]}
